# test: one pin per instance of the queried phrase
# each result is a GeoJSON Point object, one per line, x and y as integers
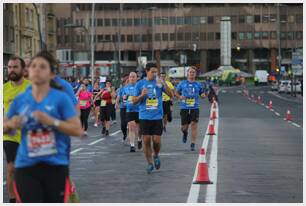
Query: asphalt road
{"type": "Point", "coordinates": [259, 157]}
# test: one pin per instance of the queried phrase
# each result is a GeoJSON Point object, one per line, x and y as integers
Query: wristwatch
{"type": "Point", "coordinates": [56, 123]}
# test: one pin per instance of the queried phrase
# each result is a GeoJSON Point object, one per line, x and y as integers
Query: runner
{"type": "Point", "coordinates": [149, 95]}
{"type": "Point", "coordinates": [15, 86]}
{"type": "Point", "coordinates": [132, 114]}
{"type": "Point", "coordinates": [97, 103]}
{"type": "Point", "coordinates": [47, 118]}
{"type": "Point", "coordinates": [188, 92]}
{"type": "Point", "coordinates": [166, 101]}
{"type": "Point", "coordinates": [121, 103]}
{"type": "Point", "coordinates": [113, 113]}
{"type": "Point", "coordinates": [105, 107]}
{"type": "Point", "coordinates": [85, 99]}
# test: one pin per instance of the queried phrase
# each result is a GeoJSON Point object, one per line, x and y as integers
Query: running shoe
{"type": "Point", "coordinates": [185, 134]}
{"type": "Point", "coordinates": [132, 149]}
{"type": "Point", "coordinates": [192, 146]}
{"type": "Point", "coordinates": [106, 133]}
{"type": "Point", "coordinates": [156, 162]}
{"type": "Point", "coordinates": [139, 145]}
{"type": "Point", "coordinates": [150, 168]}
{"type": "Point", "coordinates": [103, 130]}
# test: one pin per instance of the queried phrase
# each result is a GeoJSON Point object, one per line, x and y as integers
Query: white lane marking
{"type": "Point", "coordinates": [96, 141]}
{"type": "Point", "coordinates": [272, 110]}
{"type": "Point", "coordinates": [284, 98]}
{"type": "Point", "coordinates": [239, 91]}
{"type": "Point", "coordinates": [295, 124]}
{"type": "Point", "coordinates": [277, 113]}
{"type": "Point", "coordinates": [211, 190]}
{"type": "Point", "coordinates": [76, 150]}
{"type": "Point", "coordinates": [195, 188]}
{"type": "Point", "coordinates": [223, 91]}
{"type": "Point", "coordinates": [267, 107]}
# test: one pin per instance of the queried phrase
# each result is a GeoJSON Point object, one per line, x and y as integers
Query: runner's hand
{"type": "Point", "coordinates": [43, 118]}
{"type": "Point", "coordinates": [203, 95]}
{"type": "Point", "coordinates": [182, 97]}
{"type": "Point", "coordinates": [15, 122]}
{"type": "Point", "coordinates": [144, 92]}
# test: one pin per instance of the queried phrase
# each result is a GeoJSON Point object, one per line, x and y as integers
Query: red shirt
{"type": "Point", "coordinates": [106, 95]}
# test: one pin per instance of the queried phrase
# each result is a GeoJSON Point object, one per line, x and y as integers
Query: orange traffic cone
{"type": "Point", "coordinates": [202, 151]}
{"type": "Point", "coordinates": [211, 129]}
{"type": "Point", "coordinates": [213, 116]}
{"type": "Point", "coordinates": [270, 105]}
{"type": "Point", "coordinates": [202, 176]}
{"type": "Point", "coordinates": [288, 116]}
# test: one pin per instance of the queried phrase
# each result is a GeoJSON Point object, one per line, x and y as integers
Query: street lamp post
{"type": "Point", "coordinates": [92, 42]}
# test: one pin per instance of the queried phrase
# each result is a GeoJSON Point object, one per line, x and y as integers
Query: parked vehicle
{"type": "Point", "coordinates": [274, 86]}
{"type": "Point", "coordinates": [296, 87]}
{"type": "Point", "coordinates": [261, 77]}
{"type": "Point", "coordinates": [283, 86]}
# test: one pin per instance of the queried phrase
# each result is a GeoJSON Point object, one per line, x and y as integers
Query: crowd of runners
{"type": "Point", "coordinates": [42, 112]}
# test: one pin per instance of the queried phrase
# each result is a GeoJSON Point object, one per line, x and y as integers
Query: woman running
{"type": "Point", "coordinates": [85, 98]}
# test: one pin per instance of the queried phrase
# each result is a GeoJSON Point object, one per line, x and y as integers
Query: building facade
{"type": "Point", "coordinates": [162, 32]}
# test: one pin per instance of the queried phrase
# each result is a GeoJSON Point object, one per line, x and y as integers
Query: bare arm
{"type": "Point", "coordinates": [137, 99]}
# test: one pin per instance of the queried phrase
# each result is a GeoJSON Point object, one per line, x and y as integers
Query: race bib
{"type": "Point", "coordinates": [190, 102]}
{"type": "Point", "coordinates": [41, 143]}
{"type": "Point", "coordinates": [103, 103]}
{"type": "Point", "coordinates": [130, 99]}
{"type": "Point", "coordinates": [152, 103]}
{"type": "Point", "coordinates": [83, 103]}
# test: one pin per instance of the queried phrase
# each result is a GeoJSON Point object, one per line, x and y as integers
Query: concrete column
{"type": "Point", "coordinates": [203, 61]}
{"type": "Point", "coordinates": [273, 59]}
{"type": "Point", "coordinates": [251, 64]}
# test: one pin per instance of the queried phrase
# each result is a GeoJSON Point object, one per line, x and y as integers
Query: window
{"type": "Point", "coordinates": [122, 38]}
{"type": "Point", "coordinates": [114, 38]}
{"type": "Point", "coordinates": [249, 19]}
{"type": "Point", "coordinates": [180, 36]}
{"type": "Point", "coordinates": [265, 35]}
{"type": "Point", "coordinates": [234, 19]}
{"type": "Point", "coordinates": [257, 35]}
{"type": "Point", "coordinates": [66, 39]}
{"type": "Point", "coordinates": [172, 20]}
{"type": "Point", "coordinates": [210, 36]}
{"type": "Point", "coordinates": [107, 22]}
{"type": "Point", "coordinates": [195, 36]}
{"type": "Point", "coordinates": [273, 18]}
{"type": "Point", "coordinates": [83, 38]}
{"type": "Point", "coordinates": [265, 19]}
{"type": "Point", "coordinates": [144, 38]}
{"type": "Point", "coordinates": [249, 35]}
{"type": "Point", "coordinates": [100, 22]}
{"type": "Point", "coordinates": [31, 17]}
{"type": "Point", "coordinates": [283, 18]}
{"type": "Point", "coordinates": [100, 38]}
{"type": "Point", "coordinates": [291, 19]}
{"type": "Point", "coordinates": [257, 19]}
{"type": "Point", "coordinates": [217, 19]}
{"type": "Point", "coordinates": [165, 36]}
{"type": "Point", "coordinates": [290, 35]}
{"type": "Point", "coordinates": [145, 21]}
{"type": "Point", "coordinates": [241, 19]}
{"type": "Point", "coordinates": [283, 35]}
{"type": "Point", "coordinates": [195, 20]}
{"type": "Point", "coordinates": [187, 36]}
{"type": "Point", "coordinates": [202, 36]}
{"type": "Point", "coordinates": [172, 36]}
{"type": "Point", "coordinates": [114, 22]}
{"type": "Point", "coordinates": [157, 20]}
{"type": "Point", "coordinates": [137, 38]}
{"type": "Point", "coordinates": [27, 16]}
{"type": "Point", "coordinates": [273, 35]}
{"type": "Point", "coordinates": [164, 20]}
{"type": "Point", "coordinates": [107, 37]}
{"type": "Point", "coordinates": [78, 39]}
{"type": "Point", "coordinates": [129, 38]}
{"type": "Point", "coordinates": [299, 35]}
{"type": "Point", "coordinates": [203, 19]}
{"type": "Point", "coordinates": [180, 20]}
{"type": "Point", "coordinates": [12, 34]}
{"type": "Point", "coordinates": [210, 19]}
{"type": "Point", "coordinates": [234, 35]}
{"type": "Point", "coordinates": [217, 35]}
{"type": "Point", "coordinates": [187, 20]}
{"type": "Point", "coordinates": [129, 22]}
{"type": "Point", "coordinates": [299, 19]}
{"type": "Point", "coordinates": [157, 37]}
{"type": "Point", "coordinates": [136, 22]}
{"type": "Point", "coordinates": [241, 35]}
{"type": "Point", "coordinates": [123, 22]}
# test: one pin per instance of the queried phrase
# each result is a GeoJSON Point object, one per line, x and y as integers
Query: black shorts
{"type": "Point", "coordinates": [97, 103]}
{"type": "Point", "coordinates": [151, 127]}
{"type": "Point", "coordinates": [105, 112]}
{"type": "Point", "coordinates": [132, 116]}
{"type": "Point", "coordinates": [10, 149]}
{"type": "Point", "coordinates": [167, 108]}
{"type": "Point", "coordinates": [189, 115]}
{"type": "Point", "coordinates": [41, 183]}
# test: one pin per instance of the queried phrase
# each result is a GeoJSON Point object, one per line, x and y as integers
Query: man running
{"type": "Point", "coordinates": [16, 85]}
{"type": "Point", "coordinates": [149, 96]}
{"type": "Point", "coordinates": [166, 100]}
{"type": "Point", "coordinates": [188, 92]}
{"type": "Point", "coordinates": [132, 112]}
